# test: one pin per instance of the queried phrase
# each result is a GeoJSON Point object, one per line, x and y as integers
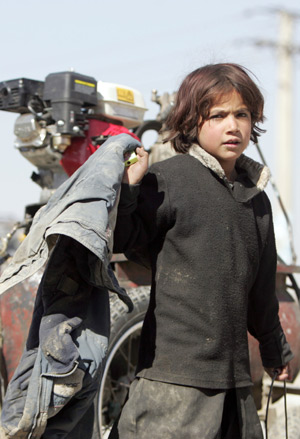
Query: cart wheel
{"type": "Point", "coordinates": [122, 357]}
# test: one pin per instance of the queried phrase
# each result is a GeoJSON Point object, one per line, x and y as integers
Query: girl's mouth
{"type": "Point", "coordinates": [232, 143]}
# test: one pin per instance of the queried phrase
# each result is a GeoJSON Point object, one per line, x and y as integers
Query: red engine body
{"type": "Point", "coordinates": [82, 147]}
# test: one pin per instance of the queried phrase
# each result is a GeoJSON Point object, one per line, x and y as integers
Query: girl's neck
{"type": "Point", "coordinates": [232, 175]}
{"type": "Point", "coordinates": [230, 172]}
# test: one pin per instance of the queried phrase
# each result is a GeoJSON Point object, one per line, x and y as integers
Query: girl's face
{"type": "Point", "coordinates": [225, 134]}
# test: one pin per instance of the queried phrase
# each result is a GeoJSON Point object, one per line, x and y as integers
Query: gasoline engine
{"type": "Point", "coordinates": [64, 119]}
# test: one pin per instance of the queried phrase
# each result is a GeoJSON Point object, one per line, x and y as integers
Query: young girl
{"type": "Point", "coordinates": [202, 221]}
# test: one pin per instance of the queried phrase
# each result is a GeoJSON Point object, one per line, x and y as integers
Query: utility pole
{"type": "Point", "coordinates": [284, 119]}
{"type": "Point", "coordinates": [284, 156]}
{"type": "Point", "coordinates": [284, 144]}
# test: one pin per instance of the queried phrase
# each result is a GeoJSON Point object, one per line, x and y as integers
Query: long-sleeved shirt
{"type": "Point", "coordinates": [211, 247]}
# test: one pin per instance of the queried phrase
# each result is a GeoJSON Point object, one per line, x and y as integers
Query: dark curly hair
{"type": "Point", "coordinates": [203, 88]}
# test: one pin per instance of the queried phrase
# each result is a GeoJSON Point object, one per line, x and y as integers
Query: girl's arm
{"type": "Point", "coordinates": [143, 208]}
{"type": "Point", "coordinates": [263, 306]}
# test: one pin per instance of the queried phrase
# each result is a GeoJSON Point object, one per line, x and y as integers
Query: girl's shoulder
{"type": "Point", "coordinates": [177, 161]}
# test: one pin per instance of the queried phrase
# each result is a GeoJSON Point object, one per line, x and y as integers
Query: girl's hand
{"type": "Point", "coordinates": [134, 173]}
{"type": "Point", "coordinates": [283, 372]}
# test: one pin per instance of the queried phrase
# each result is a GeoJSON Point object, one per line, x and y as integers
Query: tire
{"type": "Point", "coordinates": [3, 378]}
{"type": "Point", "coordinates": [148, 125]}
{"type": "Point", "coordinates": [122, 357]}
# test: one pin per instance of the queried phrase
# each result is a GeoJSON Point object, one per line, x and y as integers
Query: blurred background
{"type": "Point", "coordinates": [153, 45]}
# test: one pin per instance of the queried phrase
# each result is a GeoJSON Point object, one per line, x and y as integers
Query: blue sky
{"type": "Point", "coordinates": [144, 45]}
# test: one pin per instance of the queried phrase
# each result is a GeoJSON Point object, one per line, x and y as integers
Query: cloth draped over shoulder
{"type": "Point", "coordinates": [58, 375]}
{"type": "Point", "coordinates": [83, 208]}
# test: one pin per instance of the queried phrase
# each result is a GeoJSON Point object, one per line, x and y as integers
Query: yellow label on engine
{"type": "Point", "coordinates": [125, 95]}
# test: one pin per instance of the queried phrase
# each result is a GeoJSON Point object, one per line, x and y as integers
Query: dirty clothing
{"type": "Point", "coordinates": [58, 376]}
{"type": "Point", "coordinates": [163, 410]}
{"type": "Point", "coordinates": [84, 208]}
{"type": "Point", "coordinates": [213, 258]}
{"type": "Point", "coordinates": [211, 247]}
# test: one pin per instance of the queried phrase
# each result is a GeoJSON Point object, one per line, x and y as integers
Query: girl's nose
{"type": "Point", "coordinates": [232, 123]}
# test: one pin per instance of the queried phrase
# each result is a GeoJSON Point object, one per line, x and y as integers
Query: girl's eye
{"type": "Point", "coordinates": [243, 114]}
{"type": "Point", "coordinates": [216, 116]}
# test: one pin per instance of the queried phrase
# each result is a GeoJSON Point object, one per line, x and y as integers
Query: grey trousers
{"type": "Point", "coordinates": [158, 410]}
